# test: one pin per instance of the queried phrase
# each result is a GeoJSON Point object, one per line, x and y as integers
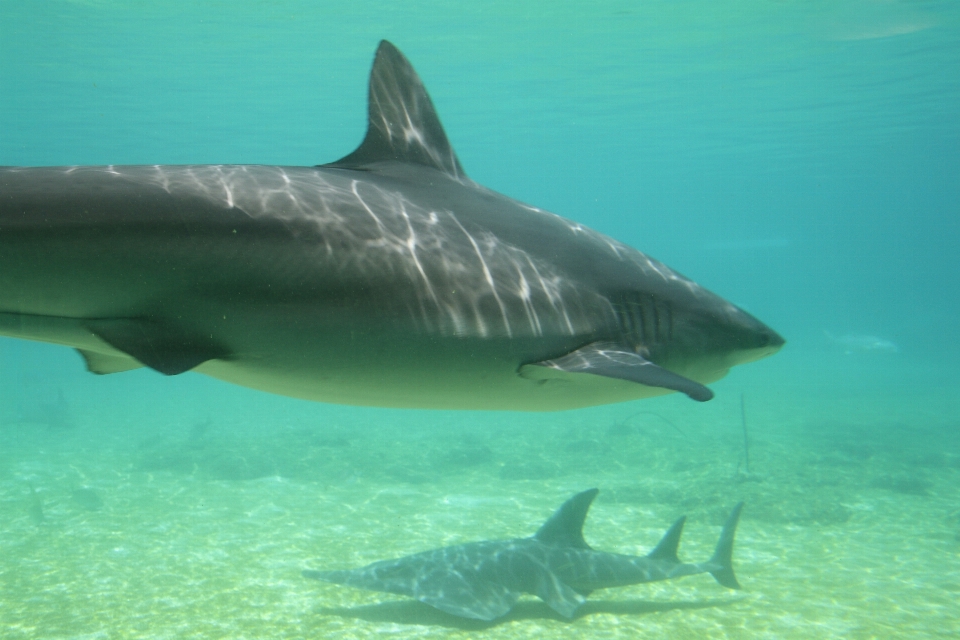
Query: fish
{"type": "Point", "coordinates": [386, 278]}
{"type": "Point", "coordinates": [862, 343]}
{"type": "Point", "coordinates": [484, 580]}
{"type": "Point", "coordinates": [35, 506]}
{"type": "Point", "coordinates": [41, 408]}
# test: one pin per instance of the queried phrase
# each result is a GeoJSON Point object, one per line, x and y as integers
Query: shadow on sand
{"type": "Point", "coordinates": [413, 612]}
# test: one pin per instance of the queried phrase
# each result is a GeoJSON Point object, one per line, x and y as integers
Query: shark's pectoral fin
{"type": "Point", "coordinates": [610, 360]}
{"type": "Point", "coordinates": [157, 345]}
{"type": "Point", "coordinates": [102, 363]}
{"type": "Point", "coordinates": [480, 600]}
{"type": "Point", "coordinates": [561, 598]}
{"type": "Point", "coordinates": [467, 596]}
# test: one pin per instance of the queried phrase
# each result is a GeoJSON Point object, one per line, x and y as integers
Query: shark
{"type": "Point", "coordinates": [484, 580]}
{"type": "Point", "coordinates": [386, 278]}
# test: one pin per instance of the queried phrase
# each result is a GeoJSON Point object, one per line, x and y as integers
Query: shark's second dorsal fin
{"type": "Point", "coordinates": [403, 125]}
{"type": "Point", "coordinates": [667, 548]}
{"type": "Point", "coordinates": [565, 526]}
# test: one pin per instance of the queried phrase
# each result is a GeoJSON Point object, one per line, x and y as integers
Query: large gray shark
{"type": "Point", "coordinates": [386, 278]}
{"type": "Point", "coordinates": [483, 580]}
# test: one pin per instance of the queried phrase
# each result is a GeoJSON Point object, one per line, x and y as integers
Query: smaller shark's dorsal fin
{"type": "Point", "coordinates": [666, 549]}
{"type": "Point", "coordinates": [565, 526]}
{"type": "Point", "coordinates": [403, 125]}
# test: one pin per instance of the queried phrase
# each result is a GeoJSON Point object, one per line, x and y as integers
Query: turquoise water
{"type": "Point", "coordinates": [801, 159]}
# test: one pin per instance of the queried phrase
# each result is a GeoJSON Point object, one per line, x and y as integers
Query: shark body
{"type": "Point", "coordinates": [386, 278]}
{"type": "Point", "coordinates": [483, 580]}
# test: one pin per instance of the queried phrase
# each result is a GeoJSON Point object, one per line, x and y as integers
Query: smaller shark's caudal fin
{"type": "Point", "coordinates": [666, 549]}
{"type": "Point", "coordinates": [723, 555]}
{"type": "Point", "coordinates": [565, 526]}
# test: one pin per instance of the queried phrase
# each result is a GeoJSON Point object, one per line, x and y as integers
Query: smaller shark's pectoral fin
{"type": "Point", "coordinates": [611, 360]}
{"type": "Point", "coordinates": [156, 345]}
{"type": "Point", "coordinates": [480, 600]}
{"type": "Point", "coordinates": [102, 363]}
{"type": "Point", "coordinates": [454, 592]}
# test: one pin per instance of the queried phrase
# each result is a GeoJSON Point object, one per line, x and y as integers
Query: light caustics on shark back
{"type": "Point", "coordinates": [385, 278]}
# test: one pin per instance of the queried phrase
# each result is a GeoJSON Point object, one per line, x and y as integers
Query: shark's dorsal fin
{"type": "Point", "coordinates": [565, 526]}
{"type": "Point", "coordinates": [666, 549]}
{"type": "Point", "coordinates": [403, 125]}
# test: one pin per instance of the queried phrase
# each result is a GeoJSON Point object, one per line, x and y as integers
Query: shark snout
{"type": "Point", "coordinates": [770, 340]}
{"type": "Point", "coordinates": [749, 339]}
{"type": "Point", "coordinates": [761, 342]}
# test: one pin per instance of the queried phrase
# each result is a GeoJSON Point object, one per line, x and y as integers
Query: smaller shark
{"type": "Point", "coordinates": [483, 580]}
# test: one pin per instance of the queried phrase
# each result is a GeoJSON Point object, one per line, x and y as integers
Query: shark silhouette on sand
{"type": "Point", "coordinates": [483, 580]}
{"type": "Point", "coordinates": [386, 278]}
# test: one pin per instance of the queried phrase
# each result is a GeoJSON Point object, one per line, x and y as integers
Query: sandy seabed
{"type": "Point", "coordinates": [200, 529]}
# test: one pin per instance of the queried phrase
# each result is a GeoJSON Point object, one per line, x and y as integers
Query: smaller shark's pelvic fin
{"type": "Point", "coordinates": [161, 347]}
{"type": "Point", "coordinates": [565, 526]}
{"type": "Point", "coordinates": [723, 556]}
{"type": "Point", "coordinates": [403, 126]}
{"type": "Point", "coordinates": [666, 549]}
{"type": "Point", "coordinates": [611, 360]}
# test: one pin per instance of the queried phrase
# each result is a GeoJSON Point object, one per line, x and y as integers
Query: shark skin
{"type": "Point", "coordinates": [483, 580]}
{"type": "Point", "coordinates": [387, 278]}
